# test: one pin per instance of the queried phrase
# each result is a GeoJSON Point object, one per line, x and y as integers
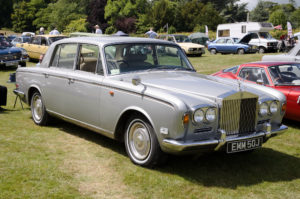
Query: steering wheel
{"type": "Point", "coordinates": [289, 74]}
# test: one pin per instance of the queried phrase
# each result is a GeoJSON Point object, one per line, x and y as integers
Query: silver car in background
{"type": "Point", "coordinates": [146, 93]}
{"type": "Point", "coordinates": [292, 55]}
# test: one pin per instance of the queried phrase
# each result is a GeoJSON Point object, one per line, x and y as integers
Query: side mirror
{"type": "Point", "coordinates": [136, 80]}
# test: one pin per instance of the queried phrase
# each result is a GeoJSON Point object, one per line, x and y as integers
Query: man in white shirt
{"type": "Point", "coordinates": [151, 33]}
{"type": "Point", "coordinates": [54, 32]}
{"type": "Point", "coordinates": [98, 30]}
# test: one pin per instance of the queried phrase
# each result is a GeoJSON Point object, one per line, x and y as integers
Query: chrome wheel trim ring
{"type": "Point", "coordinates": [37, 105]}
{"type": "Point", "coordinates": [139, 141]}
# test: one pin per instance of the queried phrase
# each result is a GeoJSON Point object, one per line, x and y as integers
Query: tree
{"type": "Point", "coordinates": [188, 15]}
{"type": "Point", "coordinates": [6, 8]}
{"type": "Point", "coordinates": [60, 14]}
{"type": "Point", "coordinates": [96, 14]}
{"type": "Point", "coordinates": [278, 18]}
{"type": "Point", "coordinates": [23, 16]}
{"type": "Point", "coordinates": [234, 12]}
{"type": "Point", "coordinates": [295, 18]}
{"type": "Point", "coordinates": [262, 11]}
{"type": "Point", "coordinates": [121, 9]}
{"type": "Point", "coordinates": [162, 13]}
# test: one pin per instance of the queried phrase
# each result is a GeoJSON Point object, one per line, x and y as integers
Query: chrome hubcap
{"type": "Point", "coordinates": [37, 107]}
{"type": "Point", "coordinates": [139, 141]}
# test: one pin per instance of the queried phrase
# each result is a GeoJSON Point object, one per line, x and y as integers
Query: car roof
{"type": "Point", "coordinates": [268, 63]}
{"type": "Point", "coordinates": [114, 39]}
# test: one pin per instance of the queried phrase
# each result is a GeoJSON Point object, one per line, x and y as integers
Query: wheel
{"type": "Point", "coordinates": [38, 110]}
{"type": "Point", "coordinates": [141, 143]}
{"type": "Point", "coordinates": [213, 51]}
{"type": "Point", "coordinates": [261, 50]}
{"type": "Point", "coordinates": [241, 51]}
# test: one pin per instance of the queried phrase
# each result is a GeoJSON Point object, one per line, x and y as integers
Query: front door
{"type": "Point", "coordinates": [85, 86]}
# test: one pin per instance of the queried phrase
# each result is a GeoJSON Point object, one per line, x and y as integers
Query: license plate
{"type": "Point", "coordinates": [244, 145]}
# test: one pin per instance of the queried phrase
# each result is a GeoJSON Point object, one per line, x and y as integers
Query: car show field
{"type": "Point", "coordinates": [63, 160]}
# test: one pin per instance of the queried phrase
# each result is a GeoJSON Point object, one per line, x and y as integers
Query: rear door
{"type": "Point", "coordinates": [57, 82]}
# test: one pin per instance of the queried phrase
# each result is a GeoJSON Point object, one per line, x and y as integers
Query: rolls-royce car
{"type": "Point", "coordinates": [145, 93]}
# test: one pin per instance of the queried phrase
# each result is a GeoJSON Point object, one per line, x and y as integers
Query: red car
{"type": "Point", "coordinates": [282, 76]}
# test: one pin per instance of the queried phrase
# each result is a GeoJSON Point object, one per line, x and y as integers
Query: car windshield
{"type": "Point", "coordinates": [265, 35]}
{"type": "Point", "coordinates": [4, 42]}
{"type": "Point", "coordinates": [182, 38]}
{"type": "Point", "coordinates": [26, 39]}
{"type": "Point", "coordinates": [125, 58]}
{"type": "Point", "coordinates": [53, 39]}
{"type": "Point", "coordinates": [287, 74]}
{"type": "Point", "coordinates": [232, 69]}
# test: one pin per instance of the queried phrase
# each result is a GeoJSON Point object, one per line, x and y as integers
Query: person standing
{"type": "Point", "coordinates": [42, 31]}
{"type": "Point", "coordinates": [151, 33]}
{"type": "Point", "coordinates": [98, 30]}
{"type": "Point", "coordinates": [54, 32]}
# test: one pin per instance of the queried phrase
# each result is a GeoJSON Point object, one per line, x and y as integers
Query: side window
{"type": "Point", "coordinates": [55, 56]}
{"type": "Point", "coordinates": [221, 41]}
{"type": "Point", "coordinates": [254, 74]}
{"type": "Point", "coordinates": [64, 56]}
{"type": "Point", "coordinates": [229, 41]}
{"type": "Point", "coordinates": [36, 40]}
{"type": "Point", "coordinates": [43, 41]}
{"type": "Point", "coordinates": [88, 58]}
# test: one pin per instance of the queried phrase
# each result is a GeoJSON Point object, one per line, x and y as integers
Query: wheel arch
{"type": "Point", "coordinates": [123, 119]}
{"type": "Point", "coordinates": [31, 90]}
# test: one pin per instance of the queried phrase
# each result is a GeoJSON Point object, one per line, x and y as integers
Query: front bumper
{"type": "Point", "coordinates": [175, 146]}
{"type": "Point", "coordinates": [13, 62]}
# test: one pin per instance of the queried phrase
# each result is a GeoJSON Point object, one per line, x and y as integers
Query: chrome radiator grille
{"type": "Point", "coordinates": [238, 116]}
{"type": "Point", "coordinates": [11, 57]}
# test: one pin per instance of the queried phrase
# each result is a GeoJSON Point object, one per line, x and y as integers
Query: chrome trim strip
{"type": "Point", "coordinates": [178, 146]}
{"type": "Point", "coordinates": [83, 124]}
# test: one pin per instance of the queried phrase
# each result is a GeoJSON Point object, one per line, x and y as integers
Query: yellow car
{"type": "Point", "coordinates": [185, 43]}
{"type": "Point", "coordinates": [39, 45]}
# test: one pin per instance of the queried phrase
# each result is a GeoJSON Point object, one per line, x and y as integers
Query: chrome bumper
{"type": "Point", "coordinates": [178, 146]}
{"type": "Point", "coordinates": [19, 93]}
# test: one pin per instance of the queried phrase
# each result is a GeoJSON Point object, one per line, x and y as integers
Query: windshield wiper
{"type": "Point", "coordinates": [170, 68]}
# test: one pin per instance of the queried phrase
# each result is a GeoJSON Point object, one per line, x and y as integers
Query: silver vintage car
{"type": "Point", "coordinates": [146, 93]}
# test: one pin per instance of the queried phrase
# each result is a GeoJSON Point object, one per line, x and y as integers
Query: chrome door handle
{"type": "Point", "coordinates": [71, 80]}
{"type": "Point", "coordinates": [46, 75]}
{"type": "Point", "coordinates": [298, 101]}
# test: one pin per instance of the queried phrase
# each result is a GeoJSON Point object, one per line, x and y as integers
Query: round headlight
{"type": "Point", "coordinates": [273, 107]}
{"type": "Point", "coordinates": [210, 115]}
{"type": "Point", "coordinates": [263, 109]}
{"type": "Point", "coordinates": [198, 115]}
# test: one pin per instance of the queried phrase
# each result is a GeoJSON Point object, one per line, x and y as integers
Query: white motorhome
{"type": "Point", "coordinates": [258, 33]}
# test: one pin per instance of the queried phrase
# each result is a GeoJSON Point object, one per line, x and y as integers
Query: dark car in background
{"type": "Point", "coordinates": [227, 45]}
{"type": "Point", "coordinates": [11, 56]}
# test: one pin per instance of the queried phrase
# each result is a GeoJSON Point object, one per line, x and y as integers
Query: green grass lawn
{"type": "Point", "coordinates": [66, 161]}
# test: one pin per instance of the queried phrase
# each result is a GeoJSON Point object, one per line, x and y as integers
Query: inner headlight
{"type": "Point", "coordinates": [263, 109]}
{"type": "Point", "coordinates": [210, 115]}
{"type": "Point", "coordinates": [198, 115]}
{"type": "Point", "coordinates": [273, 107]}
